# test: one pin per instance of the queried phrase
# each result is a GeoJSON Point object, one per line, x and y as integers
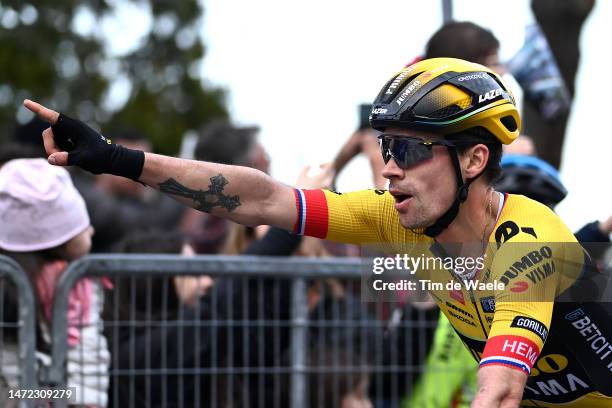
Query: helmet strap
{"type": "Point", "coordinates": [462, 194]}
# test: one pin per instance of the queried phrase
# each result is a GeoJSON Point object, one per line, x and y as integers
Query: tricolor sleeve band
{"type": "Point", "coordinates": [312, 213]}
{"type": "Point", "coordinates": [516, 352]}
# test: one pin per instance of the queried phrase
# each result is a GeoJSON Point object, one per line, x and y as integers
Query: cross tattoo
{"type": "Point", "coordinates": [206, 199]}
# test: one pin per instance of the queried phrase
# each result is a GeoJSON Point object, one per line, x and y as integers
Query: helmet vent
{"type": "Point", "coordinates": [509, 123]}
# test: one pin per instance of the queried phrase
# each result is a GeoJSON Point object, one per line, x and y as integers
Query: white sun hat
{"type": "Point", "coordinates": [39, 206]}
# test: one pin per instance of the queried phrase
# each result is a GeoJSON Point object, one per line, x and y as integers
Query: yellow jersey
{"type": "Point", "coordinates": [535, 324]}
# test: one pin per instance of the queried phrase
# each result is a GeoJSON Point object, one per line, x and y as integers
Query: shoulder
{"type": "Point", "coordinates": [530, 243]}
{"type": "Point", "coordinates": [525, 220]}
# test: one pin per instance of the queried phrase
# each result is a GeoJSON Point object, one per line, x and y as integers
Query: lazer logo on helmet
{"type": "Point", "coordinates": [492, 94]}
{"type": "Point", "coordinates": [379, 111]}
{"type": "Point", "coordinates": [472, 76]}
{"type": "Point", "coordinates": [397, 81]}
{"type": "Point", "coordinates": [410, 89]}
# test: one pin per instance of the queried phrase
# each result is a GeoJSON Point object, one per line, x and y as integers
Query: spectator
{"type": "Point", "coordinates": [44, 224]}
{"type": "Point", "coordinates": [465, 40]}
{"type": "Point", "coordinates": [471, 42]}
{"type": "Point", "coordinates": [224, 143]}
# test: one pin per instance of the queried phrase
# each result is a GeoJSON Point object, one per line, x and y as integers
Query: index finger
{"type": "Point", "coordinates": [44, 113]}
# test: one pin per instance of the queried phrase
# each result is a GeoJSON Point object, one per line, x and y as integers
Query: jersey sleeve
{"type": "Point", "coordinates": [359, 217]}
{"type": "Point", "coordinates": [534, 268]}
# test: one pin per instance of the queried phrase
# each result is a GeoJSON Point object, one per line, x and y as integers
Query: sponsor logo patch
{"type": "Point", "coordinates": [457, 295]}
{"type": "Point", "coordinates": [574, 314]}
{"type": "Point", "coordinates": [533, 259]}
{"type": "Point", "coordinates": [513, 351]}
{"type": "Point", "coordinates": [532, 325]}
{"type": "Point", "coordinates": [519, 287]}
{"type": "Point", "coordinates": [395, 83]}
{"type": "Point", "coordinates": [471, 77]}
{"type": "Point", "coordinates": [488, 304]}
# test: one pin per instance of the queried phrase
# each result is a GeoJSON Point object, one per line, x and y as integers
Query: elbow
{"type": "Point", "coordinates": [262, 209]}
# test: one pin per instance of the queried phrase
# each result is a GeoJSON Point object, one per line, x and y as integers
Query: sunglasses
{"type": "Point", "coordinates": [407, 151]}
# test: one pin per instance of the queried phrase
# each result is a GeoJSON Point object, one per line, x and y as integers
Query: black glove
{"type": "Point", "coordinates": [93, 152]}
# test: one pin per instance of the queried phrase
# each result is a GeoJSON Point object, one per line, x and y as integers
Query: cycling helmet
{"type": "Point", "coordinates": [448, 96]}
{"type": "Point", "coordinates": [531, 177]}
{"type": "Point", "coordinates": [444, 96]}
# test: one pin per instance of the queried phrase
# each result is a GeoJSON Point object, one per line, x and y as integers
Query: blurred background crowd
{"type": "Point", "coordinates": [156, 97]}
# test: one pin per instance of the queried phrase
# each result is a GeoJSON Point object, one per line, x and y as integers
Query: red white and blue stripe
{"type": "Point", "coordinates": [300, 203]}
{"type": "Point", "coordinates": [506, 361]}
{"type": "Point", "coordinates": [511, 351]}
{"type": "Point", "coordinates": [312, 213]}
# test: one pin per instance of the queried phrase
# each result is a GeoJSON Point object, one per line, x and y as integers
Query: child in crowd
{"type": "Point", "coordinates": [44, 225]}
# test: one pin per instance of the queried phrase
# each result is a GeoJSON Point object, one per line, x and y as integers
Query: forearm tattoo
{"type": "Point", "coordinates": [205, 200]}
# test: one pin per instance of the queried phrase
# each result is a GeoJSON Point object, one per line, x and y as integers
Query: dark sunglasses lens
{"type": "Point", "coordinates": [406, 152]}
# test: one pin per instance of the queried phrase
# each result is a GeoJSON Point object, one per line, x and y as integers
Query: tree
{"type": "Point", "coordinates": [57, 52]}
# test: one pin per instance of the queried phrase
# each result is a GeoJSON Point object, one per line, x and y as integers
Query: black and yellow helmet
{"type": "Point", "coordinates": [446, 96]}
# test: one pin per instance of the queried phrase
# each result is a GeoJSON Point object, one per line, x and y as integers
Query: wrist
{"type": "Point", "coordinates": [126, 162]}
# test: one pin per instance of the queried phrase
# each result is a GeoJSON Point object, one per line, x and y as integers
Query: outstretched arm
{"type": "Point", "coordinates": [241, 194]}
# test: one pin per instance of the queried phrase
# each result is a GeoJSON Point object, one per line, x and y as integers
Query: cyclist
{"type": "Point", "coordinates": [443, 122]}
{"type": "Point", "coordinates": [448, 362]}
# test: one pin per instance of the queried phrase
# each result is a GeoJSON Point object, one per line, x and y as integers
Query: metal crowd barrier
{"type": "Point", "coordinates": [273, 298]}
{"type": "Point", "coordinates": [283, 286]}
{"type": "Point", "coordinates": [298, 269]}
{"type": "Point", "coordinates": [22, 369]}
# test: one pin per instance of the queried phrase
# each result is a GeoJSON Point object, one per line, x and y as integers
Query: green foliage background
{"type": "Point", "coordinates": [43, 58]}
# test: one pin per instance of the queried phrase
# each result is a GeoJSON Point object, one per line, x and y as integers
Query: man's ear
{"type": "Point", "coordinates": [476, 158]}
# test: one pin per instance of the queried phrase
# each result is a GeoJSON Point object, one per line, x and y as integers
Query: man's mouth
{"type": "Point", "coordinates": [400, 197]}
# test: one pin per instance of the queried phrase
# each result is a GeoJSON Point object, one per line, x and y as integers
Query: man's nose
{"type": "Point", "coordinates": [392, 170]}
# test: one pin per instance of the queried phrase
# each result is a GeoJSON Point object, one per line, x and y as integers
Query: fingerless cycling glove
{"type": "Point", "coordinates": [93, 152]}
